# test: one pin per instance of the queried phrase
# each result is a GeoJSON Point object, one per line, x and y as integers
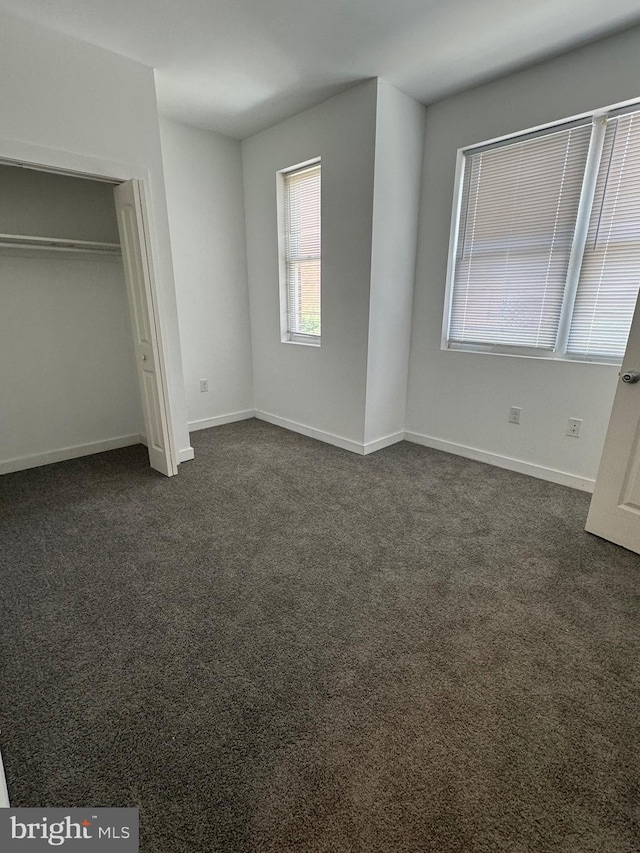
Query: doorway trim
{"type": "Point", "coordinates": [4, 791]}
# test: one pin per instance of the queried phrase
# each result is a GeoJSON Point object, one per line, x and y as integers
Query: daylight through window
{"type": "Point", "coordinates": [547, 246]}
{"type": "Point", "coordinates": [302, 246]}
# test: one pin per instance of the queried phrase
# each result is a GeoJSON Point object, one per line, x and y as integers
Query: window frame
{"type": "Point", "coordinates": [599, 120]}
{"type": "Point", "coordinates": [286, 335]}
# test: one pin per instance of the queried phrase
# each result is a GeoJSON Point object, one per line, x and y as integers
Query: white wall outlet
{"type": "Point", "coordinates": [514, 414]}
{"type": "Point", "coordinates": [204, 385]}
{"type": "Point", "coordinates": [574, 425]}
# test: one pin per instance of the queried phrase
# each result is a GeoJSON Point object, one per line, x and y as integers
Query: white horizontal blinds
{"type": "Point", "coordinates": [303, 248]}
{"type": "Point", "coordinates": [610, 273]}
{"type": "Point", "coordinates": [517, 216]}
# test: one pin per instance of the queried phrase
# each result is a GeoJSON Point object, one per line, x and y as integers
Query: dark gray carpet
{"type": "Point", "coordinates": [292, 648]}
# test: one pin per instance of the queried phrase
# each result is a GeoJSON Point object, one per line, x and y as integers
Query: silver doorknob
{"type": "Point", "coordinates": [631, 376]}
{"type": "Point", "coordinates": [144, 358]}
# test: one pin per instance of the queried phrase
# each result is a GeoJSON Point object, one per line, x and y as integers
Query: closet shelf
{"type": "Point", "coordinates": [24, 241]}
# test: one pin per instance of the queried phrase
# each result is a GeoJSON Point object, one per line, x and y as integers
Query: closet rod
{"type": "Point", "coordinates": [22, 241]}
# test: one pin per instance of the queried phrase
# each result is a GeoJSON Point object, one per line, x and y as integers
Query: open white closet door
{"type": "Point", "coordinates": [615, 508]}
{"type": "Point", "coordinates": [138, 272]}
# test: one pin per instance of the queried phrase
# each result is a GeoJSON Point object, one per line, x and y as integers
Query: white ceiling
{"type": "Point", "coordinates": [238, 66]}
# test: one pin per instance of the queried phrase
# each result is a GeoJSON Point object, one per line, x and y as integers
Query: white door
{"type": "Point", "coordinates": [138, 273]}
{"type": "Point", "coordinates": [615, 507]}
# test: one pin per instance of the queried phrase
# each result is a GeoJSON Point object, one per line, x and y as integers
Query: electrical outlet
{"type": "Point", "coordinates": [514, 414]}
{"type": "Point", "coordinates": [574, 425]}
{"type": "Point", "coordinates": [204, 385]}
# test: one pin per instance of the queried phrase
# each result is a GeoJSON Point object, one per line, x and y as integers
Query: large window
{"type": "Point", "coordinates": [300, 254]}
{"type": "Point", "coordinates": [545, 258]}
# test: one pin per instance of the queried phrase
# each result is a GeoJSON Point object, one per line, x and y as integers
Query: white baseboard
{"type": "Point", "coordinates": [185, 455]}
{"type": "Point", "coordinates": [312, 432]}
{"type": "Point", "coordinates": [4, 792]}
{"type": "Point", "coordinates": [38, 459]}
{"type": "Point", "coordinates": [205, 423]}
{"type": "Point", "coordinates": [563, 478]}
{"type": "Point", "coordinates": [385, 441]}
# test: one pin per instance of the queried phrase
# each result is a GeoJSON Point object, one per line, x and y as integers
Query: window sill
{"type": "Point", "coordinates": [549, 356]}
{"type": "Point", "coordinates": [302, 340]}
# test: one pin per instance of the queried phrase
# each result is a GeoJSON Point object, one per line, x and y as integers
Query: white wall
{"type": "Point", "coordinates": [71, 102]}
{"type": "Point", "coordinates": [463, 398]}
{"type": "Point", "coordinates": [398, 165]}
{"type": "Point", "coordinates": [68, 377]}
{"type": "Point", "coordinates": [203, 177]}
{"type": "Point", "coordinates": [324, 387]}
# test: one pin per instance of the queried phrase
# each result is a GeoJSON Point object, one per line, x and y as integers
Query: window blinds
{"type": "Point", "coordinates": [303, 249]}
{"type": "Point", "coordinates": [517, 218]}
{"type": "Point", "coordinates": [610, 274]}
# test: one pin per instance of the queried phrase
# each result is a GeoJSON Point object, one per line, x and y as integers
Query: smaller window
{"type": "Point", "coordinates": [300, 253]}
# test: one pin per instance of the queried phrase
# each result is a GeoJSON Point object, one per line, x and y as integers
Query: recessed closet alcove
{"type": "Point", "coordinates": [68, 381]}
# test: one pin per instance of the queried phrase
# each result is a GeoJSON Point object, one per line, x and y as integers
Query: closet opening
{"type": "Point", "coordinates": [79, 333]}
